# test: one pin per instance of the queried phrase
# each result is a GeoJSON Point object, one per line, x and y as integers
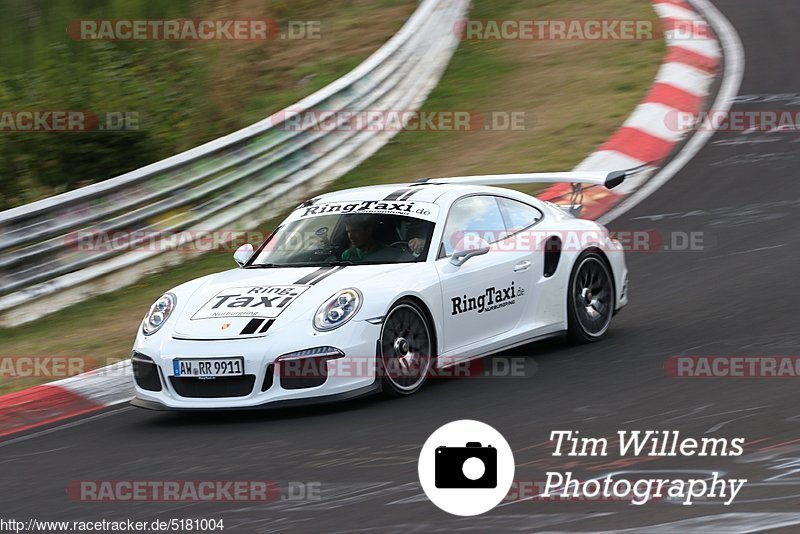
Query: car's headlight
{"type": "Point", "coordinates": [338, 309]}
{"type": "Point", "coordinates": [159, 313]}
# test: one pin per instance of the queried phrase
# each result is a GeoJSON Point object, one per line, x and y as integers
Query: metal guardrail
{"type": "Point", "coordinates": [213, 185]}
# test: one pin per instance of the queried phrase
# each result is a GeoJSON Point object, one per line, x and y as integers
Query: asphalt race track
{"type": "Point", "coordinates": [738, 296]}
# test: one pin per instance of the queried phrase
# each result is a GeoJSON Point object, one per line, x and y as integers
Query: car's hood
{"type": "Point", "coordinates": [244, 303]}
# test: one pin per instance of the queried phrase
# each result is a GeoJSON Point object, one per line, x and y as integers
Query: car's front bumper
{"type": "Point", "coordinates": [263, 384]}
{"type": "Point", "coordinates": [375, 387]}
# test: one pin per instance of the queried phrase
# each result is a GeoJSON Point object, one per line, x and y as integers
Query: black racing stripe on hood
{"type": "Point", "coordinates": [251, 327]}
{"type": "Point", "coordinates": [397, 194]}
{"type": "Point", "coordinates": [326, 275]}
{"type": "Point", "coordinates": [307, 278]}
{"type": "Point", "coordinates": [409, 194]}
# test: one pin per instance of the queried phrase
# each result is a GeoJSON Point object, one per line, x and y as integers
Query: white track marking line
{"type": "Point", "coordinates": [73, 424]}
{"type": "Point", "coordinates": [739, 253]}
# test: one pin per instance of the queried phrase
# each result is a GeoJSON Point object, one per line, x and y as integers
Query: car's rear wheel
{"type": "Point", "coordinates": [590, 300]}
{"type": "Point", "coordinates": [406, 349]}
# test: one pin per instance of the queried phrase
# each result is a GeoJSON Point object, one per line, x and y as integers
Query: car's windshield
{"type": "Point", "coordinates": [363, 238]}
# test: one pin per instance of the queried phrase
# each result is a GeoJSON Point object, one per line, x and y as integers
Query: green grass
{"type": "Point", "coordinates": [575, 94]}
{"type": "Point", "coordinates": [185, 93]}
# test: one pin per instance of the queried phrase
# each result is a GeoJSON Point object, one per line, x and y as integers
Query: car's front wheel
{"type": "Point", "coordinates": [590, 298]}
{"type": "Point", "coordinates": [406, 349]}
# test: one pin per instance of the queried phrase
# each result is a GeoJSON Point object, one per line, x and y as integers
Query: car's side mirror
{"type": "Point", "coordinates": [459, 258]}
{"type": "Point", "coordinates": [243, 254]}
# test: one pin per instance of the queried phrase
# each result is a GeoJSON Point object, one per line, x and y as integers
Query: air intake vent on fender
{"type": "Point", "coordinates": [552, 255]}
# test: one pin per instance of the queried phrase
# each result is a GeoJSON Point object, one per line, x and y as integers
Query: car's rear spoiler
{"type": "Point", "coordinates": [605, 178]}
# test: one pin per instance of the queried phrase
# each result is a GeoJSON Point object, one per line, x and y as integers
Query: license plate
{"type": "Point", "coordinates": [208, 368]}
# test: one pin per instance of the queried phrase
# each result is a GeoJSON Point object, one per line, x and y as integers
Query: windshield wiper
{"type": "Point", "coordinates": [309, 264]}
{"type": "Point", "coordinates": [331, 263]}
{"type": "Point", "coordinates": [263, 266]}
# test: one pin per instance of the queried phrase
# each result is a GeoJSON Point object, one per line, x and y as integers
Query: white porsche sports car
{"type": "Point", "coordinates": [375, 288]}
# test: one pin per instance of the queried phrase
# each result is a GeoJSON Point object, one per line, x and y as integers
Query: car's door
{"type": "Point", "coordinates": [483, 297]}
{"type": "Point", "coordinates": [525, 233]}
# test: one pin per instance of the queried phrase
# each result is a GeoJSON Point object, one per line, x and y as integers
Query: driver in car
{"type": "Point", "coordinates": [363, 245]}
{"type": "Point", "coordinates": [416, 245]}
{"type": "Point", "coordinates": [417, 233]}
